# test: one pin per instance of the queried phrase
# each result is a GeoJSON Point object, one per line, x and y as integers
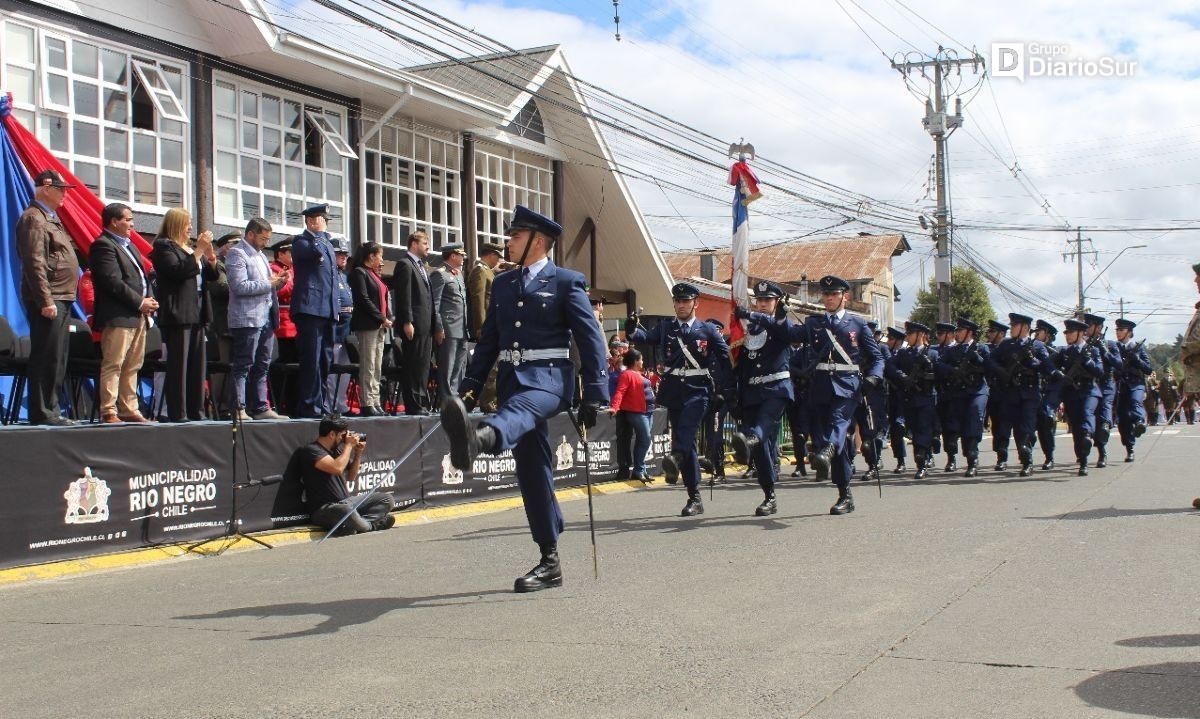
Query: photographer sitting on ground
{"type": "Point", "coordinates": [325, 467]}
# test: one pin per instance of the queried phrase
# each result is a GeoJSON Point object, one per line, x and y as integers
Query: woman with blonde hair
{"type": "Point", "coordinates": [184, 310]}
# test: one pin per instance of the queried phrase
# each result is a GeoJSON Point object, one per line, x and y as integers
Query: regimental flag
{"type": "Point", "coordinates": [745, 191]}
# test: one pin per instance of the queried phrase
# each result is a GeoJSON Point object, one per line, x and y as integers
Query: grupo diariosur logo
{"type": "Point", "coordinates": [1024, 60]}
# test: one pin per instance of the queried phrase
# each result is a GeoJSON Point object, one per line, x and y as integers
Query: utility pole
{"type": "Point", "coordinates": [1122, 308]}
{"type": "Point", "coordinates": [1078, 254]}
{"type": "Point", "coordinates": [940, 125]}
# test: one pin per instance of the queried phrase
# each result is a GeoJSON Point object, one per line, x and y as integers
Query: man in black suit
{"type": "Point", "coordinates": [124, 304]}
{"type": "Point", "coordinates": [419, 324]}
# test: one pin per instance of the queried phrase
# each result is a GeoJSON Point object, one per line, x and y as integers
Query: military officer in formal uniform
{"type": "Point", "coordinates": [963, 369]}
{"type": "Point", "coordinates": [871, 417]}
{"type": "Point", "coordinates": [714, 424]}
{"type": "Point", "coordinates": [315, 308]}
{"type": "Point", "coordinates": [1131, 386]}
{"type": "Point", "coordinates": [764, 386]}
{"type": "Point", "coordinates": [915, 370]}
{"type": "Point", "coordinates": [535, 313]}
{"type": "Point", "coordinates": [797, 409]}
{"type": "Point", "coordinates": [996, 332]}
{"type": "Point", "coordinates": [1019, 364]}
{"type": "Point", "coordinates": [844, 357]}
{"type": "Point", "coordinates": [696, 362]}
{"type": "Point", "coordinates": [946, 434]}
{"type": "Point", "coordinates": [897, 432]}
{"type": "Point", "coordinates": [1047, 419]}
{"type": "Point", "coordinates": [1111, 354]}
{"type": "Point", "coordinates": [1082, 368]}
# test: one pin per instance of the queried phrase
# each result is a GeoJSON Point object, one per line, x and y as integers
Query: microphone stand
{"type": "Point", "coordinates": [234, 532]}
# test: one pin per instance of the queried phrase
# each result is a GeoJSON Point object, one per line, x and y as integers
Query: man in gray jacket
{"type": "Point", "coordinates": [253, 316]}
{"type": "Point", "coordinates": [449, 292]}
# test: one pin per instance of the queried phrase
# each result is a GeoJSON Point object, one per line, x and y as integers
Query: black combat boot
{"type": "Point", "coordinates": [1102, 459]}
{"type": "Point", "coordinates": [922, 463]}
{"type": "Point", "coordinates": [1139, 429]}
{"type": "Point", "coordinates": [845, 503]}
{"type": "Point", "coordinates": [1048, 464]}
{"type": "Point", "coordinates": [767, 507]}
{"type": "Point", "coordinates": [743, 447]}
{"type": "Point", "coordinates": [547, 574]}
{"type": "Point", "coordinates": [693, 507]}
{"type": "Point", "coordinates": [1001, 460]}
{"type": "Point", "coordinates": [951, 464]}
{"type": "Point", "coordinates": [821, 461]}
{"type": "Point", "coordinates": [465, 443]}
{"type": "Point", "coordinates": [1129, 454]}
{"type": "Point", "coordinates": [670, 465]}
{"type": "Point", "coordinates": [901, 467]}
{"type": "Point", "coordinates": [1025, 455]}
{"type": "Point", "coordinates": [1083, 468]}
{"type": "Point", "coordinates": [801, 469]}
{"type": "Point", "coordinates": [972, 464]}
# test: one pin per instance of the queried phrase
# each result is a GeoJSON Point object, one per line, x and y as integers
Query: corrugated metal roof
{"type": "Point", "coordinates": [500, 77]}
{"type": "Point", "coordinates": [864, 257]}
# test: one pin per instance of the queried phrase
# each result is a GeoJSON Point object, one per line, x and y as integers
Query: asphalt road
{"type": "Point", "coordinates": [1051, 596]}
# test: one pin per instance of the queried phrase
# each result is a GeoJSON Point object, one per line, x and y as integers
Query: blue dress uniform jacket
{"type": "Point", "coordinates": [1131, 391]}
{"type": "Point", "coordinates": [341, 329]}
{"type": "Point", "coordinates": [1047, 419]}
{"type": "Point", "coordinates": [1113, 364]}
{"type": "Point", "coordinates": [833, 394]}
{"type": "Point", "coordinates": [686, 385]}
{"type": "Point", "coordinates": [874, 424]}
{"type": "Point", "coordinates": [964, 368]}
{"type": "Point", "coordinates": [1081, 394]}
{"type": "Point", "coordinates": [546, 317]}
{"type": "Point", "coordinates": [764, 389]}
{"type": "Point", "coordinates": [1018, 367]}
{"type": "Point", "coordinates": [315, 308]}
{"type": "Point", "coordinates": [919, 395]}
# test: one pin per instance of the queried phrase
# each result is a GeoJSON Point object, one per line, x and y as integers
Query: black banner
{"type": "Point", "coordinates": [68, 493]}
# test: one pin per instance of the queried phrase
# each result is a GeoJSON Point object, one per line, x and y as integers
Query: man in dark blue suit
{"type": "Point", "coordinates": [1131, 386]}
{"type": "Point", "coordinates": [845, 358]}
{"type": "Point", "coordinates": [534, 314]}
{"type": "Point", "coordinates": [315, 308]}
{"type": "Point", "coordinates": [695, 356]}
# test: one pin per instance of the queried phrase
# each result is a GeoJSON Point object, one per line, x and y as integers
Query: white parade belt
{"type": "Point", "coordinates": [516, 357]}
{"type": "Point", "coordinates": [771, 377]}
{"type": "Point", "coordinates": [836, 367]}
{"type": "Point", "coordinates": [685, 372]}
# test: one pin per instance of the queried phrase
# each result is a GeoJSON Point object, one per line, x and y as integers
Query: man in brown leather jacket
{"type": "Point", "coordinates": [49, 276]}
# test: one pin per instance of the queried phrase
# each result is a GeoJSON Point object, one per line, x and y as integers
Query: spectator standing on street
{"type": "Point", "coordinates": [632, 405]}
{"type": "Point", "coordinates": [371, 322]}
{"type": "Point", "coordinates": [49, 275]}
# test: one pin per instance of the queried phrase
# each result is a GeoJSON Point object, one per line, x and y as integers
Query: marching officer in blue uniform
{"type": "Point", "coordinates": [871, 417]}
{"type": "Point", "coordinates": [315, 308]}
{"type": "Point", "coordinates": [947, 425]}
{"type": "Point", "coordinates": [1047, 419]}
{"type": "Point", "coordinates": [1018, 365]}
{"type": "Point", "coordinates": [797, 409]}
{"type": "Point", "coordinates": [964, 367]}
{"type": "Point", "coordinates": [696, 359]}
{"type": "Point", "coordinates": [915, 369]}
{"type": "Point", "coordinates": [1111, 354]}
{"type": "Point", "coordinates": [714, 423]}
{"type": "Point", "coordinates": [897, 432]}
{"type": "Point", "coordinates": [995, 334]}
{"type": "Point", "coordinates": [1131, 386]}
{"type": "Point", "coordinates": [1082, 368]}
{"type": "Point", "coordinates": [844, 357]}
{"type": "Point", "coordinates": [764, 386]}
{"type": "Point", "coordinates": [535, 312]}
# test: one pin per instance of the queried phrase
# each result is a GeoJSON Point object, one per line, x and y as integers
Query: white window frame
{"type": "Point", "coordinates": [417, 154]}
{"type": "Point", "coordinates": [506, 185]}
{"type": "Point", "coordinates": [46, 71]}
{"type": "Point", "coordinates": [156, 86]}
{"type": "Point", "coordinates": [331, 135]}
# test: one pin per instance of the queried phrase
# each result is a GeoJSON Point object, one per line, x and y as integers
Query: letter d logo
{"type": "Point", "coordinates": [1008, 60]}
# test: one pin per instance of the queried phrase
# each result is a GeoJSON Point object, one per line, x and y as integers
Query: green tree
{"type": "Point", "coordinates": [968, 298]}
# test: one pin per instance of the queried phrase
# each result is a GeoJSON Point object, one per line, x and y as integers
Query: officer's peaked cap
{"type": "Point", "coordinates": [965, 323]}
{"type": "Point", "coordinates": [910, 327]}
{"type": "Point", "coordinates": [766, 289]}
{"type": "Point", "coordinates": [1073, 325]}
{"type": "Point", "coordinates": [831, 283]}
{"type": "Point", "coordinates": [1019, 319]}
{"type": "Point", "coordinates": [1124, 324]}
{"type": "Point", "coordinates": [524, 218]}
{"type": "Point", "coordinates": [684, 291]}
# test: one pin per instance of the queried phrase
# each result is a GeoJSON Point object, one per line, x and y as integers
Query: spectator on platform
{"type": "Point", "coordinates": [419, 324]}
{"type": "Point", "coordinates": [632, 405]}
{"type": "Point", "coordinates": [123, 308]}
{"type": "Point", "coordinates": [449, 291]}
{"type": "Point", "coordinates": [325, 467]}
{"type": "Point", "coordinates": [285, 333]}
{"type": "Point", "coordinates": [182, 275]}
{"type": "Point", "coordinates": [479, 297]}
{"type": "Point", "coordinates": [218, 293]}
{"type": "Point", "coordinates": [371, 322]}
{"type": "Point", "coordinates": [336, 385]}
{"type": "Point", "coordinates": [49, 272]}
{"type": "Point", "coordinates": [254, 314]}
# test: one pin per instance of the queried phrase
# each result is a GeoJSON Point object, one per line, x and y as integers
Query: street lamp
{"type": "Point", "coordinates": [1101, 273]}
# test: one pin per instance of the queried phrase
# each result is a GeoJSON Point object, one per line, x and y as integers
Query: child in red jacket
{"type": "Point", "coordinates": [632, 404]}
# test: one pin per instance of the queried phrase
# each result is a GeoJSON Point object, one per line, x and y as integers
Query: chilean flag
{"type": "Point", "coordinates": [745, 191]}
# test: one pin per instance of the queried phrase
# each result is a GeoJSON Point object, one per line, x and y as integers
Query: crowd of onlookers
{"type": "Point", "coordinates": [291, 318]}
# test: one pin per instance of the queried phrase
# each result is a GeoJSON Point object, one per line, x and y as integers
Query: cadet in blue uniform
{"type": "Point", "coordinates": [947, 425]}
{"type": "Point", "coordinates": [1131, 386]}
{"type": "Point", "coordinates": [1019, 364]}
{"type": "Point", "coordinates": [915, 369]}
{"type": "Point", "coordinates": [871, 417]}
{"type": "Point", "coordinates": [1082, 368]}
{"type": "Point", "coordinates": [797, 409]}
{"type": "Point", "coordinates": [764, 386]}
{"type": "Point", "coordinates": [535, 312]}
{"type": "Point", "coordinates": [1047, 420]}
{"type": "Point", "coordinates": [1110, 353]}
{"type": "Point", "coordinates": [897, 432]}
{"type": "Point", "coordinates": [696, 359]}
{"type": "Point", "coordinates": [844, 357]}
{"type": "Point", "coordinates": [714, 424]}
{"type": "Point", "coordinates": [315, 308]}
{"type": "Point", "coordinates": [1000, 429]}
{"type": "Point", "coordinates": [964, 369]}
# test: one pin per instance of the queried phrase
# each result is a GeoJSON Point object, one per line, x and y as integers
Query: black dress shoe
{"type": "Point", "coordinates": [641, 477]}
{"type": "Point", "coordinates": [1001, 466]}
{"type": "Point", "coordinates": [1083, 469]}
{"type": "Point", "coordinates": [972, 470]}
{"type": "Point", "coordinates": [367, 412]}
{"type": "Point", "coordinates": [767, 507]}
{"type": "Point", "coordinates": [58, 421]}
{"type": "Point", "coordinates": [901, 468]}
{"type": "Point", "coordinates": [693, 507]}
{"type": "Point", "coordinates": [743, 447]}
{"type": "Point", "coordinates": [706, 465]}
{"type": "Point", "coordinates": [822, 462]}
{"type": "Point", "coordinates": [951, 465]}
{"type": "Point", "coordinates": [623, 474]}
{"type": "Point", "coordinates": [1129, 456]}
{"type": "Point", "coordinates": [670, 469]}
{"type": "Point", "coordinates": [1026, 470]}
{"type": "Point", "coordinates": [1102, 460]}
{"type": "Point", "coordinates": [1048, 464]}
{"type": "Point", "coordinates": [922, 472]}
{"type": "Point", "coordinates": [845, 503]}
{"type": "Point", "coordinates": [466, 442]}
{"type": "Point", "coordinates": [1139, 429]}
{"type": "Point", "coordinates": [547, 574]}
{"type": "Point", "coordinates": [801, 469]}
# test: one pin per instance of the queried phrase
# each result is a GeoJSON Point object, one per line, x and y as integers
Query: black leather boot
{"type": "Point", "coordinates": [465, 443]}
{"type": "Point", "coordinates": [1001, 460]}
{"type": "Point", "coordinates": [1129, 454]}
{"type": "Point", "coordinates": [767, 507]}
{"type": "Point", "coordinates": [821, 461]}
{"type": "Point", "coordinates": [743, 447]}
{"type": "Point", "coordinates": [1048, 464]}
{"type": "Point", "coordinates": [670, 465]}
{"type": "Point", "coordinates": [845, 503]}
{"type": "Point", "coordinates": [922, 464]}
{"type": "Point", "coordinates": [1139, 429]}
{"type": "Point", "coordinates": [972, 464]}
{"type": "Point", "coordinates": [901, 467]}
{"type": "Point", "coordinates": [693, 507]}
{"type": "Point", "coordinates": [547, 574]}
{"type": "Point", "coordinates": [951, 464]}
{"type": "Point", "coordinates": [1102, 460]}
{"type": "Point", "coordinates": [801, 469]}
{"type": "Point", "coordinates": [1083, 469]}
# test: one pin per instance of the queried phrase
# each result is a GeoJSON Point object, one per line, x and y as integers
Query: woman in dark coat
{"type": "Point", "coordinates": [371, 322]}
{"type": "Point", "coordinates": [184, 310]}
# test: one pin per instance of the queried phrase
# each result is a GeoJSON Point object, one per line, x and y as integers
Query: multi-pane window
{"type": "Point", "coordinates": [412, 183]}
{"type": "Point", "coordinates": [116, 118]}
{"type": "Point", "coordinates": [276, 153]}
{"type": "Point", "coordinates": [505, 178]}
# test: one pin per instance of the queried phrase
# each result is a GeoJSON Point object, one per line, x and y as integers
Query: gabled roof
{"type": "Point", "coordinates": [861, 258]}
{"type": "Point", "coordinates": [505, 76]}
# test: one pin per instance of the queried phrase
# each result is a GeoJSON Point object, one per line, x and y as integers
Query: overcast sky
{"type": "Point", "coordinates": [813, 91]}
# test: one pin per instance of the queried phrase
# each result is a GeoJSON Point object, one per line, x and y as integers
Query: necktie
{"type": "Point", "coordinates": [833, 320]}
